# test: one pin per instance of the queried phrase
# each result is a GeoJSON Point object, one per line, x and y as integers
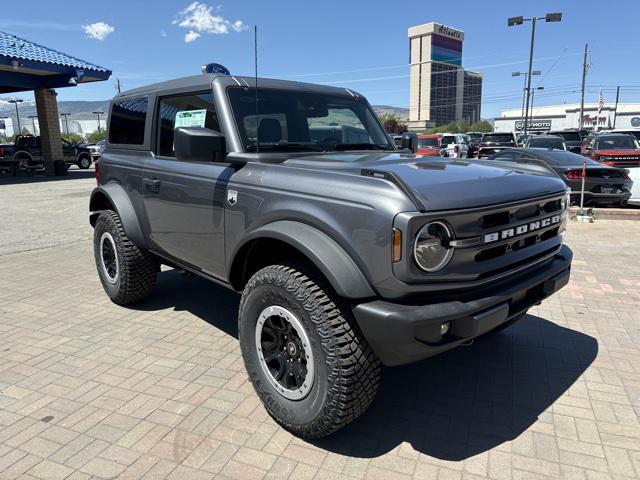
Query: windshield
{"type": "Point", "coordinates": [542, 142]}
{"type": "Point", "coordinates": [635, 133]}
{"type": "Point", "coordinates": [427, 142]}
{"type": "Point", "coordinates": [498, 138]}
{"type": "Point", "coordinates": [557, 157]}
{"type": "Point", "coordinates": [617, 142]}
{"type": "Point", "coordinates": [298, 120]}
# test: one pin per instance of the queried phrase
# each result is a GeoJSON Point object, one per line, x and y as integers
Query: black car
{"type": "Point", "coordinates": [572, 138]}
{"type": "Point", "coordinates": [474, 141]}
{"type": "Point", "coordinates": [495, 142]}
{"type": "Point", "coordinates": [604, 185]}
{"type": "Point", "coordinates": [554, 142]}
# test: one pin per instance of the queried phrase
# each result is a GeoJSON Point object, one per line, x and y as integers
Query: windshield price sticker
{"type": "Point", "coordinates": [190, 118]}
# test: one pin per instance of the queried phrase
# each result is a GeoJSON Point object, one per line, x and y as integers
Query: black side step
{"type": "Point", "coordinates": [397, 181]}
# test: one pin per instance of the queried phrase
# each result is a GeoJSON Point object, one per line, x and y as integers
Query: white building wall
{"type": "Point", "coordinates": [567, 116]}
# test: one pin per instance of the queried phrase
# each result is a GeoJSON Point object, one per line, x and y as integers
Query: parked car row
{"type": "Point", "coordinates": [24, 155]}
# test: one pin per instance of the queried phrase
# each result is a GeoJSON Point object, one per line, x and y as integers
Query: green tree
{"type": "Point", "coordinates": [73, 137]}
{"type": "Point", "coordinates": [392, 123]}
{"type": "Point", "coordinates": [95, 137]}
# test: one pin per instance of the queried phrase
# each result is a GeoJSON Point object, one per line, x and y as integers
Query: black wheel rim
{"type": "Point", "coordinates": [284, 352]}
{"type": "Point", "coordinates": [109, 257]}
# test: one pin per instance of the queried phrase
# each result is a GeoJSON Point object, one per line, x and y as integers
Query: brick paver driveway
{"type": "Point", "coordinates": [89, 389]}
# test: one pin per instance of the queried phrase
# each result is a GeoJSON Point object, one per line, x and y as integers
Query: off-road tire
{"type": "Point", "coordinates": [81, 165]}
{"type": "Point", "coordinates": [137, 269]}
{"type": "Point", "coordinates": [346, 372]}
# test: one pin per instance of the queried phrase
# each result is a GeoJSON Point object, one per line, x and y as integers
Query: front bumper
{"type": "Point", "coordinates": [404, 333]}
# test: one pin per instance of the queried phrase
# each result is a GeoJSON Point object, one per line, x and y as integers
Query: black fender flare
{"type": "Point", "coordinates": [330, 258]}
{"type": "Point", "coordinates": [113, 195]}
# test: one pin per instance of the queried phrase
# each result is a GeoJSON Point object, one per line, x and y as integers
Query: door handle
{"type": "Point", "coordinates": [151, 185]}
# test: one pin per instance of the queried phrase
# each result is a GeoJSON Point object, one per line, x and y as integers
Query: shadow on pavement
{"type": "Point", "coordinates": [72, 174]}
{"type": "Point", "coordinates": [212, 303]}
{"type": "Point", "coordinates": [453, 406]}
{"type": "Point", "coordinates": [470, 399]}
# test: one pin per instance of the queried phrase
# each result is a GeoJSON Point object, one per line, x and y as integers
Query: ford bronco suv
{"type": "Point", "coordinates": [349, 254]}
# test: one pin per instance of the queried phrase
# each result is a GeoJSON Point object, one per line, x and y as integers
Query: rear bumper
{"type": "Point", "coordinates": [403, 333]}
{"type": "Point", "coordinates": [594, 199]}
{"type": "Point", "coordinates": [483, 152]}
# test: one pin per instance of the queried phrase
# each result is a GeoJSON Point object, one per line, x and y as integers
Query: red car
{"type": "Point", "coordinates": [615, 149]}
{"type": "Point", "coordinates": [429, 145]}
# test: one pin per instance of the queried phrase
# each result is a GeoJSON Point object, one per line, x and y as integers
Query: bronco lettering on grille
{"type": "Point", "coordinates": [521, 229]}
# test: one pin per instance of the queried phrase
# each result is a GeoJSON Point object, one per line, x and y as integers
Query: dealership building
{"type": "Point", "coordinates": [560, 117]}
{"type": "Point", "coordinates": [440, 91]}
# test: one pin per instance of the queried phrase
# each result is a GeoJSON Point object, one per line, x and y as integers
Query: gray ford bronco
{"type": "Point", "coordinates": [348, 253]}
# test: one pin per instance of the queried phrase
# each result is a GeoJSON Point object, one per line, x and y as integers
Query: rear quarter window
{"type": "Point", "coordinates": [127, 121]}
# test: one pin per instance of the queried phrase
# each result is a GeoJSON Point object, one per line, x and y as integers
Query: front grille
{"type": "Point", "coordinates": [622, 161]}
{"type": "Point", "coordinates": [492, 241]}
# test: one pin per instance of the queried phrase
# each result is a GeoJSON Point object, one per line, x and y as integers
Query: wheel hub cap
{"type": "Point", "coordinates": [284, 352]}
{"type": "Point", "coordinates": [109, 258]}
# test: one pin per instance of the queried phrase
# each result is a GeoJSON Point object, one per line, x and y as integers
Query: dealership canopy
{"type": "Point", "coordinates": [25, 65]}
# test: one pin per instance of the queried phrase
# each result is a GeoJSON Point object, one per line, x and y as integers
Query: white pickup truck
{"type": "Point", "coordinates": [454, 145]}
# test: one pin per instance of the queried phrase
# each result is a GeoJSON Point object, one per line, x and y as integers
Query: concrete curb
{"type": "Point", "coordinates": [609, 213]}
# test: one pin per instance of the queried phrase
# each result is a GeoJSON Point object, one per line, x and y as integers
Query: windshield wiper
{"type": "Point", "coordinates": [284, 146]}
{"type": "Point", "coordinates": [361, 146]}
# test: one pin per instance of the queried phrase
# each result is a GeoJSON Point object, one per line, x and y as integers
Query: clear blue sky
{"type": "Point", "coordinates": [357, 44]}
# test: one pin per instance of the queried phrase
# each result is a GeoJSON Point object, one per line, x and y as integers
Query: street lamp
{"type": "Point", "coordinates": [514, 21]}
{"type": "Point", "coordinates": [532, 92]}
{"type": "Point", "coordinates": [16, 101]}
{"type": "Point", "coordinates": [98, 114]}
{"type": "Point", "coordinates": [66, 122]}
{"type": "Point", "coordinates": [33, 123]}
{"type": "Point", "coordinates": [524, 89]}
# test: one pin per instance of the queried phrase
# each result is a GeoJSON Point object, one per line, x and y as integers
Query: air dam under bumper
{"type": "Point", "coordinates": [401, 333]}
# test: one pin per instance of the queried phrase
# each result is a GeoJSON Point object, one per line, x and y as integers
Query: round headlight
{"type": "Point", "coordinates": [431, 249]}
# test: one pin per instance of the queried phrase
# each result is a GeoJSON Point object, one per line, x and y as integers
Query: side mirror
{"type": "Point", "coordinates": [409, 141]}
{"type": "Point", "coordinates": [197, 144]}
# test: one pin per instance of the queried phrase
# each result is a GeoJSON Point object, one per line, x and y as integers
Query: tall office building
{"type": "Point", "coordinates": [441, 91]}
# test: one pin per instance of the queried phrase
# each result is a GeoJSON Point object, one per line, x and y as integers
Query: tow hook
{"type": "Point", "coordinates": [468, 343]}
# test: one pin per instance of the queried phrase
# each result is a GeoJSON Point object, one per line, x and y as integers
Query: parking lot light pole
{"type": "Point", "coordinates": [98, 114]}
{"type": "Point", "coordinates": [524, 88]}
{"type": "Point", "coordinates": [532, 94]}
{"type": "Point", "coordinates": [513, 21]}
{"type": "Point", "coordinates": [66, 123]}
{"type": "Point", "coordinates": [33, 123]}
{"type": "Point", "coordinates": [16, 101]}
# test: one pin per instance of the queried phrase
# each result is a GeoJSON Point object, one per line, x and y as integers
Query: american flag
{"type": "Point", "coordinates": [600, 103]}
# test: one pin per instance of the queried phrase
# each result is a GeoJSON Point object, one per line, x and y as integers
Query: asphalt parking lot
{"type": "Point", "coordinates": [90, 389]}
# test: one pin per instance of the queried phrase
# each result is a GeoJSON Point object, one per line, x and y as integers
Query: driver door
{"type": "Point", "coordinates": [184, 201]}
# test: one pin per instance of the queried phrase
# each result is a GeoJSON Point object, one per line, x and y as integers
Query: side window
{"type": "Point", "coordinates": [504, 156]}
{"type": "Point", "coordinates": [127, 121]}
{"type": "Point", "coordinates": [448, 140]}
{"type": "Point", "coordinates": [170, 107]}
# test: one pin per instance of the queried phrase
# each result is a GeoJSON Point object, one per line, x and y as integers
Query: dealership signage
{"type": "Point", "coordinates": [594, 120]}
{"type": "Point", "coordinates": [635, 121]}
{"type": "Point", "coordinates": [534, 125]}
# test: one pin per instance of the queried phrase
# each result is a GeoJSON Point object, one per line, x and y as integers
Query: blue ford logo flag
{"type": "Point", "coordinates": [215, 68]}
{"type": "Point", "coordinates": [2, 125]}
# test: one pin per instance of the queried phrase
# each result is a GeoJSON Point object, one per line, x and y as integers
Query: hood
{"type": "Point", "coordinates": [443, 184]}
{"type": "Point", "coordinates": [611, 153]}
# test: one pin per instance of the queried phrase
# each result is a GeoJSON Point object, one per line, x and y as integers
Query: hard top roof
{"type": "Point", "coordinates": [204, 81]}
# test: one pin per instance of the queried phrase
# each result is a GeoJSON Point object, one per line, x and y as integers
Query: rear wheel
{"type": "Point", "coordinates": [127, 273]}
{"type": "Point", "coordinates": [304, 353]}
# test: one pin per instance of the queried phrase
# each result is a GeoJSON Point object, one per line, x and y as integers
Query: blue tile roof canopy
{"type": "Point", "coordinates": [26, 65]}
{"type": "Point", "coordinates": [19, 48]}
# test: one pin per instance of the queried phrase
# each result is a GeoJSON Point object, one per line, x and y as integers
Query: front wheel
{"type": "Point", "coordinates": [305, 355]}
{"type": "Point", "coordinates": [84, 162]}
{"type": "Point", "coordinates": [127, 273]}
